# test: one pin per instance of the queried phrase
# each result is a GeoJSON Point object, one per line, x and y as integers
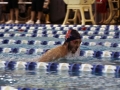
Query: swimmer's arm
{"type": "Point", "coordinates": [50, 55]}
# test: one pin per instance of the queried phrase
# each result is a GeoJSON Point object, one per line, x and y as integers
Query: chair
{"type": "Point", "coordinates": [114, 12]}
{"type": "Point", "coordinates": [81, 5]}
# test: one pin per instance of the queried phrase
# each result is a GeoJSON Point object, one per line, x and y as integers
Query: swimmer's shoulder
{"type": "Point", "coordinates": [53, 54]}
{"type": "Point", "coordinates": [57, 48]}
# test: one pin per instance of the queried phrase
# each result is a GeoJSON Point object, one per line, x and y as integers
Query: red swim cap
{"type": "Point", "coordinates": [72, 35]}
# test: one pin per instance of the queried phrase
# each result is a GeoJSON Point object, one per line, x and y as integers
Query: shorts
{"type": "Point", "coordinates": [45, 10]}
{"type": "Point", "coordinates": [12, 4]}
{"type": "Point", "coordinates": [37, 5]}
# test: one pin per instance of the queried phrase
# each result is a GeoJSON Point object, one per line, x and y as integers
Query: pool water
{"type": "Point", "coordinates": [59, 80]}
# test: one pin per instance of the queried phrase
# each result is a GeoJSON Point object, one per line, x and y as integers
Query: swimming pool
{"type": "Point", "coordinates": [97, 67]}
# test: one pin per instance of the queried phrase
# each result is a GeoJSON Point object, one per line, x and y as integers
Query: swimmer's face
{"type": "Point", "coordinates": [74, 45]}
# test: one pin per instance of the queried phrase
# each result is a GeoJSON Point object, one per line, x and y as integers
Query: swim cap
{"type": "Point", "coordinates": [72, 35]}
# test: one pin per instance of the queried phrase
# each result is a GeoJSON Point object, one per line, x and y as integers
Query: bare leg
{"type": "Point", "coordinates": [16, 13]}
{"type": "Point", "coordinates": [11, 14]}
{"type": "Point", "coordinates": [104, 17]}
{"type": "Point", "coordinates": [32, 15]}
{"type": "Point", "coordinates": [101, 18]}
{"type": "Point", "coordinates": [11, 17]}
{"type": "Point", "coordinates": [107, 15]}
{"type": "Point", "coordinates": [28, 12]}
{"type": "Point", "coordinates": [39, 15]}
{"type": "Point", "coordinates": [31, 21]}
{"type": "Point", "coordinates": [8, 16]}
{"type": "Point", "coordinates": [47, 18]}
{"type": "Point", "coordinates": [3, 18]}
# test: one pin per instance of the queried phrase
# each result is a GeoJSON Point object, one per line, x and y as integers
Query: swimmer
{"type": "Point", "coordinates": [69, 47]}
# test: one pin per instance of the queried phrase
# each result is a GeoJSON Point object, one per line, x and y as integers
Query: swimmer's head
{"type": "Point", "coordinates": [73, 40]}
{"type": "Point", "coordinates": [72, 35]}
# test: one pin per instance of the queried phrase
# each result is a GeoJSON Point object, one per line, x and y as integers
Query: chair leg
{"type": "Point", "coordinates": [111, 11]}
{"type": "Point", "coordinates": [82, 16]}
{"type": "Point", "coordinates": [75, 16]}
{"type": "Point", "coordinates": [66, 17]}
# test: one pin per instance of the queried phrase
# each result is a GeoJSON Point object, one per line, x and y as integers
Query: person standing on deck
{"type": "Point", "coordinates": [13, 6]}
{"type": "Point", "coordinates": [37, 7]}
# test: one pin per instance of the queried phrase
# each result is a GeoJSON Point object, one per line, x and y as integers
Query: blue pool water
{"type": "Point", "coordinates": [59, 80]}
